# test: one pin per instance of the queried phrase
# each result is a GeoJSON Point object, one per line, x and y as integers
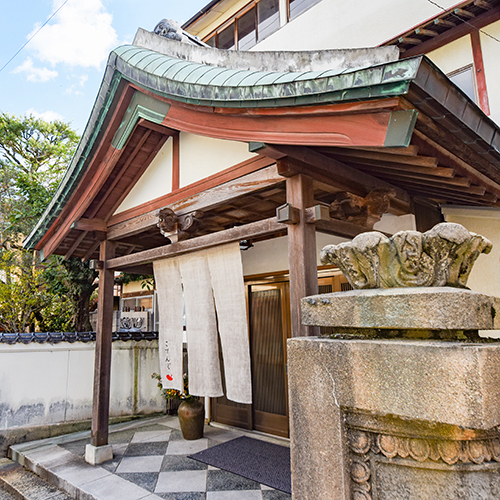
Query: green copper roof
{"type": "Point", "coordinates": [201, 84]}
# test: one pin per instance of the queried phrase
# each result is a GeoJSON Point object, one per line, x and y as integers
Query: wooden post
{"type": "Point", "coordinates": [301, 252]}
{"type": "Point", "coordinates": [102, 367]}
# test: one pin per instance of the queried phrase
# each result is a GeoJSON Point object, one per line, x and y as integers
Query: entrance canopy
{"type": "Point", "coordinates": [399, 125]}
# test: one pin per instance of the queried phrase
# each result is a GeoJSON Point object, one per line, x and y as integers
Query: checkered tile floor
{"type": "Point", "coordinates": [154, 456]}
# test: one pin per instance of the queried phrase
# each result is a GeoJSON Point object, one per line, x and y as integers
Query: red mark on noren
{"type": "Point", "coordinates": [170, 378]}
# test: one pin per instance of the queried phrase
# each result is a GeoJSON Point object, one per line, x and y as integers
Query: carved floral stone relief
{"type": "Point", "coordinates": [364, 445]}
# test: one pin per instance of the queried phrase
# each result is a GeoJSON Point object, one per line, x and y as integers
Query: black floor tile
{"type": "Point", "coordinates": [77, 447]}
{"type": "Point", "coordinates": [143, 449]}
{"type": "Point", "coordinates": [121, 437]}
{"type": "Point", "coordinates": [221, 480]}
{"type": "Point", "coordinates": [175, 435]}
{"type": "Point", "coordinates": [146, 480]}
{"type": "Point", "coordinates": [275, 495]}
{"type": "Point", "coordinates": [192, 495]}
{"type": "Point", "coordinates": [181, 462]}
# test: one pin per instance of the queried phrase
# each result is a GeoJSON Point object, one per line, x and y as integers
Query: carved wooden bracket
{"type": "Point", "coordinates": [362, 211]}
{"type": "Point", "coordinates": [177, 227]}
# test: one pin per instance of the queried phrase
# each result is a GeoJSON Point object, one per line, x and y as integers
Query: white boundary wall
{"type": "Point", "coordinates": [42, 384]}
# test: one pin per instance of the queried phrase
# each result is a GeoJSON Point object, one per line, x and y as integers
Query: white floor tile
{"type": "Point", "coordinates": [114, 487]}
{"type": "Point", "coordinates": [183, 447]}
{"type": "Point", "coordinates": [181, 481]}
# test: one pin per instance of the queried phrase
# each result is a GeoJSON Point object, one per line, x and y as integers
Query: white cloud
{"type": "Point", "coordinates": [74, 89]}
{"type": "Point", "coordinates": [35, 74]}
{"type": "Point", "coordinates": [48, 116]}
{"type": "Point", "coordinates": [81, 34]}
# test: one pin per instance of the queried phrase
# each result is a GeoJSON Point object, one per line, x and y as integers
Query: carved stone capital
{"type": "Point", "coordinates": [443, 256]}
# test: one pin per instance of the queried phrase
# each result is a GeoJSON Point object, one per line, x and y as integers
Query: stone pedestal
{"type": "Point", "coordinates": [400, 417]}
{"type": "Point", "coordinates": [95, 455]}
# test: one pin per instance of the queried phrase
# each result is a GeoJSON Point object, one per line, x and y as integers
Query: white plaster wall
{"type": "Point", "coordinates": [155, 182]}
{"type": "Point", "coordinates": [485, 275]}
{"type": "Point", "coordinates": [45, 384]}
{"type": "Point", "coordinates": [391, 224]}
{"type": "Point", "coordinates": [271, 256]}
{"type": "Point", "coordinates": [454, 55]}
{"type": "Point", "coordinates": [491, 58]}
{"type": "Point", "coordinates": [331, 24]}
{"type": "Point", "coordinates": [201, 157]}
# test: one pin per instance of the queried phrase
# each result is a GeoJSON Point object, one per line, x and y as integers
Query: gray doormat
{"type": "Point", "coordinates": [266, 463]}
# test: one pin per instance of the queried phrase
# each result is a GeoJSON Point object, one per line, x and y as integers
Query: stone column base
{"type": "Point", "coordinates": [394, 419]}
{"type": "Point", "coordinates": [95, 455]}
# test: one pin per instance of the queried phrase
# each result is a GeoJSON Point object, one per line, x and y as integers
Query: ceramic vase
{"type": "Point", "coordinates": [192, 418]}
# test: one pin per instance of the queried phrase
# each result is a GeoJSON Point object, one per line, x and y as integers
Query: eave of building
{"type": "Point", "coordinates": [147, 96]}
{"type": "Point", "coordinates": [446, 27]}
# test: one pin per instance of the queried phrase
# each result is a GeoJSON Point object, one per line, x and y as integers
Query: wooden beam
{"type": "Point", "coordinates": [394, 168]}
{"type": "Point", "coordinates": [464, 13]}
{"type": "Point", "coordinates": [123, 169]}
{"type": "Point", "coordinates": [444, 22]}
{"type": "Point", "coordinates": [334, 226]}
{"type": "Point", "coordinates": [339, 125]}
{"type": "Point", "coordinates": [89, 224]}
{"type": "Point", "coordinates": [482, 90]}
{"type": "Point", "coordinates": [410, 40]}
{"type": "Point", "coordinates": [176, 162]}
{"type": "Point", "coordinates": [411, 150]}
{"type": "Point", "coordinates": [301, 252]}
{"type": "Point", "coordinates": [212, 197]}
{"type": "Point", "coordinates": [91, 250]}
{"type": "Point", "coordinates": [75, 245]}
{"type": "Point", "coordinates": [249, 231]}
{"type": "Point", "coordinates": [102, 367]}
{"type": "Point", "coordinates": [482, 4]}
{"type": "Point", "coordinates": [345, 154]}
{"type": "Point", "coordinates": [144, 270]}
{"type": "Point", "coordinates": [346, 175]}
{"type": "Point", "coordinates": [426, 32]}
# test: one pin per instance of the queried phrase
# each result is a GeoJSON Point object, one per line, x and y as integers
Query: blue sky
{"type": "Point", "coordinates": [57, 75]}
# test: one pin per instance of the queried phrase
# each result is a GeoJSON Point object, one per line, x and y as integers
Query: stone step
{"type": "Point", "coordinates": [20, 484]}
{"type": "Point", "coordinates": [4, 495]}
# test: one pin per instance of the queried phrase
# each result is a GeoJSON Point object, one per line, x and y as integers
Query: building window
{"type": "Point", "coordinates": [463, 78]}
{"type": "Point", "coordinates": [247, 30]}
{"type": "Point", "coordinates": [225, 39]}
{"type": "Point", "coordinates": [268, 17]}
{"type": "Point", "coordinates": [296, 7]}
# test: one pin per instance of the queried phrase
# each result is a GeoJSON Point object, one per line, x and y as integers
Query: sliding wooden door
{"type": "Point", "coordinates": [269, 327]}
